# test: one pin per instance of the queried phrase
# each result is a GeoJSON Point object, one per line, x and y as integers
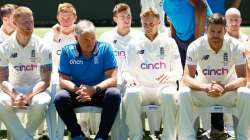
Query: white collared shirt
{"type": "Point", "coordinates": [213, 66]}
{"type": "Point", "coordinates": [148, 60]}
{"type": "Point", "coordinates": [56, 50]}
{"type": "Point", "coordinates": [24, 62]}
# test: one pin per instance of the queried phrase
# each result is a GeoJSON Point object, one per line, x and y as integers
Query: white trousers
{"type": "Point", "coordinates": [135, 97]}
{"type": "Point", "coordinates": [240, 99]}
{"type": "Point", "coordinates": [36, 113]}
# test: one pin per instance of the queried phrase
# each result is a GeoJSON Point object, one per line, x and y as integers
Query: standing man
{"type": "Point", "coordinates": [25, 69]}
{"type": "Point", "coordinates": [214, 85]}
{"type": "Point", "coordinates": [121, 35]}
{"type": "Point", "coordinates": [119, 38]}
{"type": "Point", "coordinates": [88, 76]}
{"type": "Point", "coordinates": [61, 34]}
{"type": "Point", "coordinates": [233, 22]}
{"type": "Point", "coordinates": [187, 25]}
{"type": "Point", "coordinates": [153, 67]}
{"type": "Point", "coordinates": [158, 5]}
{"type": "Point", "coordinates": [8, 27]}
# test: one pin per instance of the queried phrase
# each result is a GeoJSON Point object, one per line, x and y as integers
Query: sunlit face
{"type": "Point", "coordinates": [123, 19]}
{"type": "Point", "coordinates": [9, 20]}
{"type": "Point", "coordinates": [87, 41]}
{"type": "Point", "coordinates": [215, 33]}
{"type": "Point", "coordinates": [150, 25]}
{"type": "Point", "coordinates": [66, 19]}
{"type": "Point", "coordinates": [24, 24]}
{"type": "Point", "coordinates": [233, 22]}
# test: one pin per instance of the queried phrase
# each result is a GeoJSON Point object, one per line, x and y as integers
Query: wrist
{"type": "Point", "coordinates": [207, 87]}
{"type": "Point", "coordinates": [97, 89]}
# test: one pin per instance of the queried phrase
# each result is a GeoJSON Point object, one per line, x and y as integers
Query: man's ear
{"type": "Point", "coordinates": [4, 19]}
{"type": "Point", "coordinates": [75, 18]}
{"type": "Point", "coordinates": [115, 19]}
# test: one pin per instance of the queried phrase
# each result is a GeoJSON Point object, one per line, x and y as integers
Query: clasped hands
{"type": "Point", "coordinates": [20, 100]}
{"type": "Point", "coordinates": [84, 93]}
{"type": "Point", "coordinates": [215, 89]}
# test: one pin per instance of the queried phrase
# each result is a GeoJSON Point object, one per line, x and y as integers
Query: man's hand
{"type": "Point", "coordinates": [85, 93]}
{"type": "Point", "coordinates": [163, 78]}
{"type": "Point", "coordinates": [20, 100]}
{"type": "Point", "coordinates": [131, 82]}
{"type": "Point", "coordinates": [216, 89]}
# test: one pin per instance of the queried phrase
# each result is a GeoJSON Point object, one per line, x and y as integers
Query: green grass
{"type": "Point", "coordinates": [99, 30]}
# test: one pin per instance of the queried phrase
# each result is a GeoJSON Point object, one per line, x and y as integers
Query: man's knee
{"type": "Point", "coordinates": [184, 93]}
{"type": "Point", "coordinates": [244, 93]}
{"type": "Point", "coordinates": [61, 98]}
{"type": "Point", "coordinates": [168, 95]}
{"type": "Point", "coordinates": [5, 100]}
{"type": "Point", "coordinates": [114, 95]}
{"type": "Point", "coordinates": [132, 95]}
{"type": "Point", "coordinates": [42, 98]}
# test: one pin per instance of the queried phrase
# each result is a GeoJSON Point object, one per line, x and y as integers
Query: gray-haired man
{"type": "Point", "coordinates": [88, 72]}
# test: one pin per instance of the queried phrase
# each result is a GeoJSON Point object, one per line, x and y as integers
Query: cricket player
{"type": "Point", "coordinates": [158, 5]}
{"type": "Point", "coordinates": [153, 67]}
{"type": "Point", "coordinates": [215, 57]}
{"type": "Point", "coordinates": [25, 68]}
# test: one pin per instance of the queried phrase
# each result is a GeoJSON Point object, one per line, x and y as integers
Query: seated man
{"type": "Point", "coordinates": [153, 67]}
{"type": "Point", "coordinates": [88, 75]}
{"type": "Point", "coordinates": [215, 57]}
{"type": "Point", "coordinates": [25, 69]}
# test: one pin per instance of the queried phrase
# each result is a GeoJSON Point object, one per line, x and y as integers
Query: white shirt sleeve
{"type": "Point", "coordinates": [176, 66]}
{"type": "Point", "coordinates": [46, 55]}
{"type": "Point", "coordinates": [129, 64]}
{"type": "Point", "coordinates": [239, 56]}
{"type": "Point", "coordinates": [191, 58]}
{"type": "Point", "coordinates": [3, 59]}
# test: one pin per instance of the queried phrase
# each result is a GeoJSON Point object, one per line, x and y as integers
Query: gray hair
{"type": "Point", "coordinates": [232, 11]}
{"type": "Point", "coordinates": [84, 26]}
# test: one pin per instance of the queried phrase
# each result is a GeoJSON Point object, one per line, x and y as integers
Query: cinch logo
{"type": "Point", "coordinates": [159, 65]}
{"type": "Point", "coordinates": [221, 71]}
{"type": "Point", "coordinates": [120, 53]}
{"type": "Point", "coordinates": [75, 62]}
{"type": "Point", "coordinates": [25, 68]}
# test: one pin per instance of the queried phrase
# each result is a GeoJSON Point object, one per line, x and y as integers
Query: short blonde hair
{"type": "Point", "coordinates": [66, 7]}
{"type": "Point", "coordinates": [21, 11]}
{"type": "Point", "coordinates": [150, 12]}
{"type": "Point", "coordinates": [120, 7]}
{"type": "Point", "coordinates": [7, 9]}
